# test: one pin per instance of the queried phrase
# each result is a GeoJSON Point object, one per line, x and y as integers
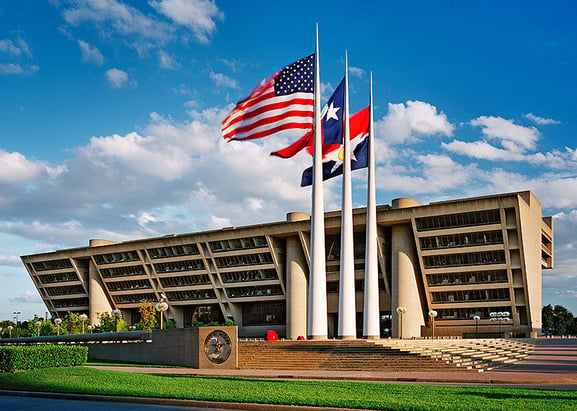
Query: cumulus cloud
{"type": "Point", "coordinates": [90, 54]}
{"type": "Point", "coordinates": [197, 15]}
{"type": "Point", "coordinates": [117, 78]}
{"type": "Point", "coordinates": [357, 71]}
{"type": "Point", "coordinates": [29, 297]}
{"type": "Point", "coordinates": [16, 168]}
{"type": "Point", "coordinates": [12, 260]}
{"type": "Point", "coordinates": [511, 136]}
{"type": "Point", "coordinates": [540, 120]}
{"type": "Point", "coordinates": [15, 58]}
{"type": "Point", "coordinates": [409, 122]}
{"type": "Point", "coordinates": [166, 60]}
{"type": "Point", "coordinates": [222, 80]}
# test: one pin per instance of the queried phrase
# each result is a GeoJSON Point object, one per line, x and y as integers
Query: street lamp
{"type": "Point", "coordinates": [58, 321]}
{"type": "Point", "coordinates": [161, 308]}
{"type": "Point", "coordinates": [83, 318]}
{"type": "Point", "coordinates": [401, 311]}
{"type": "Point", "coordinates": [38, 325]}
{"type": "Point", "coordinates": [1, 332]}
{"type": "Point", "coordinates": [476, 318]}
{"type": "Point", "coordinates": [500, 317]}
{"type": "Point", "coordinates": [433, 314]}
{"type": "Point", "coordinates": [10, 331]}
{"type": "Point", "coordinates": [90, 327]}
{"type": "Point", "coordinates": [116, 314]}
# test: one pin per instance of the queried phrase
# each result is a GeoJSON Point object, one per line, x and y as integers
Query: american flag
{"type": "Point", "coordinates": [283, 102]}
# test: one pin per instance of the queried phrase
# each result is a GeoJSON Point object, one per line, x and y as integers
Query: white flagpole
{"type": "Point", "coordinates": [371, 328]}
{"type": "Point", "coordinates": [317, 318]}
{"type": "Point", "coordinates": [347, 307]}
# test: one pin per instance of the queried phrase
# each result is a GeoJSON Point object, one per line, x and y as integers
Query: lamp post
{"type": "Point", "coordinates": [476, 318]}
{"type": "Point", "coordinates": [433, 314]}
{"type": "Point", "coordinates": [90, 327]}
{"type": "Point", "coordinates": [10, 331]}
{"type": "Point", "coordinates": [38, 325]}
{"type": "Point", "coordinates": [1, 332]}
{"type": "Point", "coordinates": [116, 314]}
{"type": "Point", "coordinates": [161, 307]}
{"type": "Point", "coordinates": [58, 321]}
{"type": "Point", "coordinates": [500, 317]}
{"type": "Point", "coordinates": [401, 311]}
{"type": "Point", "coordinates": [83, 318]}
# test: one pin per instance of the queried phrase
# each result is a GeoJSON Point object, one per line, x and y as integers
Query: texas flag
{"type": "Point", "coordinates": [333, 154]}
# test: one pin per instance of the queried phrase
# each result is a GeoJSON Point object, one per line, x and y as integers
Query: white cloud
{"type": "Point", "coordinates": [197, 15]}
{"type": "Point", "coordinates": [222, 80]}
{"type": "Point", "coordinates": [166, 60]}
{"type": "Point", "coordinates": [16, 168]}
{"type": "Point", "coordinates": [407, 123]}
{"type": "Point", "coordinates": [356, 71]}
{"type": "Point", "coordinates": [540, 120]}
{"type": "Point", "coordinates": [29, 297]}
{"type": "Point", "coordinates": [90, 54]}
{"type": "Point", "coordinates": [117, 78]}
{"type": "Point", "coordinates": [16, 55]}
{"type": "Point", "coordinates": [12, 260]}
{"type": "Point", "coordinates": [512, 137]}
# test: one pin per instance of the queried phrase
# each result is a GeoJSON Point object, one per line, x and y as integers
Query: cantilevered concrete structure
{"type": "Point", "coordinates": [463, 259]}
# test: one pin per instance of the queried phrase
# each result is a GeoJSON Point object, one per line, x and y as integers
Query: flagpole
{"type": "Point", "coordinates": [317, 318]}
{"type": "Point", "coordinates": [371, 328]}
{"type": "Point", "coordinates": [347, 308]}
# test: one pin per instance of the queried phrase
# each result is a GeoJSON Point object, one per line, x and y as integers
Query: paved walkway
{"type": "Point", "coordinates": [553, 363]}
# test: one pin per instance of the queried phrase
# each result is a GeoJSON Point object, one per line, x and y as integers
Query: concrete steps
{"type": "Point", "coordinates": [357, 355]}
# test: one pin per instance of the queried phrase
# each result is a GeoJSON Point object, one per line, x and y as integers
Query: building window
{"type": "Point", "coordinates": [191, 295]}
{"type": "Point", "coordinates": [128, 285]}
{"type": "Point", "coordinates": [456, 260]}
{"type": "Point", "coordinates": [133, 298]}
{"type": "Point", "coordinates": [52, 265]}
{"type": "Point", "coordinates": [122, 271]}
{"type": "Point", "coordinates": [242, 260]}
{"type": "Point", "coordinates": [113, 258]}
{"type": "Point", "coordinates": [461, 240]}
{"type": "Point", "coordinates": [58, 277]}
{"type": "Point", "coordinates": [249, 275]}
{"type": "Point", "coordinates": [459, 220]}
{"type": "Point", "coordinates": [468, 313]}
{"type": "Point", "coordinates": [185, 281]}
{"type": "Point", "coordinates": [473, 277]}
{"type": "Point", "coordinates": [176, 266]}
{"type": "Point", "coordinates": [69, 290]}
{"type": "Point", "coordinates": [173, 251]}
{"type": "Point", "coordinates": [73, 302]}
{"type": "Point", "coordinates": [272, 313]}
{"type": "Point", "coordinates": [493, 294]}
{"type": "Point", "coordinates": [238, 244]}
{"type": "Point", "coordinates": [239, 292]}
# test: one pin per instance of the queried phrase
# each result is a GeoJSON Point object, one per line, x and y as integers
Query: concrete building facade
{"type": "Point", "coordinates": [465, 259]}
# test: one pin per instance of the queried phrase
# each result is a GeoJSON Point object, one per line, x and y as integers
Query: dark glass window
{"type": "Point", "coordinates": [58, 277]}
{"type": "Point", "coordinates": [238, 244]}
{"type": "Point", "coordinates": [271, 313]}
{"type": "Point", "coordinates": [472, 277]}
{"type": "Point", "coordinates": [456, 260]}
{"type": "Point", "coordinates": [173, 251]}
{"type": "Point", "coordinates": [458, 220]}
{"type": "Point", "coordinates": [52, 265]}
{"type": "Point", "coordinates": [113, 258]}
{"type": "Point", "coordinates": [461, 240]}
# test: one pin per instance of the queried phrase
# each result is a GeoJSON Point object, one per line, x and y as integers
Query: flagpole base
{"type": "Point", "coordinates": [318, 337]}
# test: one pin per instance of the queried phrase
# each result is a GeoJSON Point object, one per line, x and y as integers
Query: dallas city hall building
{"type": "Point", "coordinates": [464, 259]}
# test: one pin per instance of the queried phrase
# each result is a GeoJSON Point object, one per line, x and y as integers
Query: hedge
{"type": "Point", "coordinates": [28, 357]}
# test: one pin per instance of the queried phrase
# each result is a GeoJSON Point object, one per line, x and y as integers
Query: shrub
{"type": "Point", "coordinates": [15, 358]}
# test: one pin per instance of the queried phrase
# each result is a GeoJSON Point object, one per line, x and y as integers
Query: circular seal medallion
{"type": "Point", "coordinates": [217, 346]}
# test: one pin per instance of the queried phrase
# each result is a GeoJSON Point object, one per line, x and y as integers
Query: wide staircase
{"type": "Point", "coordinates": [476, 354]}
{"type": "Point", "coordinates": [356, 355]}
{"type": "Point", "coordinates": [382, 355]}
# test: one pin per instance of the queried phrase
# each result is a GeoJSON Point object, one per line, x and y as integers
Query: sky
{"type": "Point", "coordinates": [110, 115]}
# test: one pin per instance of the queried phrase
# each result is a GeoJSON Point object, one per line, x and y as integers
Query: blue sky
{"type": "Point", "coordinates": [110, 115]}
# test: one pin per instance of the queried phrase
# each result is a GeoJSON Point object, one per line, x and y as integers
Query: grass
{"type": "Point", "coordinates": [291, 392]}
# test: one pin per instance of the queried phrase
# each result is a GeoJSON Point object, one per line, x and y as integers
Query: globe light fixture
{"type": "Point", "coordinates": [433, 314]}
{"type": "Point", "coordinates": [58, 321]}
{"type": "Point", "coordinates": [116, 314]}
{"type": "Point", "coordinates": [83, 318]}
{"type": "Point", "coordinates": [161, 307]}
{"type": "Point", "coordinates": [476, 318]}
{"type": "Point", "coordinates": [401, 310]}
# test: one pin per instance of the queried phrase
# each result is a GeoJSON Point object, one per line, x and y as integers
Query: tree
{"type": "Point", "coordinates": [108, 323]}
{"type": "Point", "coordinates": [557, 319]}
{"type": "Point", "coordinates": [147, 315]}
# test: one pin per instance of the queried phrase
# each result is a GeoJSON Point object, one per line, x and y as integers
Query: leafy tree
{"type": "Point", "coordinates": [558, 319]}
{"type": "Point", "coordinates": [108, 323]}
{"type": "Point", "coordinates": [147, 315]}
{"type": "Point", "coordinates": [71, 324]}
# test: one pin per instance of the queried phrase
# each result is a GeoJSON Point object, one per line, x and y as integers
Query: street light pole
{"type": "Point", "coordinates": [476, 318]}
{"type": "Point", "coordinates": [433, 314]}
{"type": "Point", "coordinates": [401, 311]}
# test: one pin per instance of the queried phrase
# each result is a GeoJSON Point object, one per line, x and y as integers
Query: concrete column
{"type": "Point", "coordinates": [97, 301]}
{"type": "Point", "coordinates": [296, 310]}
{"type": "Point", "coordinates": [404, 287]}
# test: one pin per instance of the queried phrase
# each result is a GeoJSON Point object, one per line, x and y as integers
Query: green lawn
{"type": "Point", "coordinates": [291, 392]}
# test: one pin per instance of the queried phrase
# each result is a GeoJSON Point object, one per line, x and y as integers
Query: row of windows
{"type": "Point", "coordinates": [238, 244]}
{"type": "Point", "coordinates": [185, 280]}
{"type": "Point", "coordinates": [254, 291]}
{"type": "Point", "coordinates": [129, 285]}
{"type": "Point", "coordinates": [52, 265]}
{"type": "Point", "coordinates": [250, 275]}
{"type": "Point", "coordinates": [456, 260]}
{"type": "Point", "coordinates": [458, 220]}
{"type": "Point", "coordinates": [122, 271]}
{"type": "Point", "coordinates": [473, 277]}
{"type": "Point", "coordinates": [116, 257]}
{"type": "Point", "coordinates": [333, 286]}
{"type": "Point", "coordinates": [173, 251]}
{"type": "Point", "coordinates": [68, 290]}
{"type": "Point", "coordinates": [191, 295]}
{"type": "Point", "coordinates": [468, 313]}
{"type": "Point", "coordinates": [175, 266]}
{"type": "Point", "coordinates": [333, 246]}
{"type": "Point", "coordinates": [241, 260]}
{"type": "Point", "coordinates": [494, 294]}
{"type": "Point", "coordinates": [58, 277]}
{"type": "Point", "coordinates": [461, 240]}
{"type": "Point", "coordinates": [133, 298]}
{"type": "Point", "coordinates": [72, 302]}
